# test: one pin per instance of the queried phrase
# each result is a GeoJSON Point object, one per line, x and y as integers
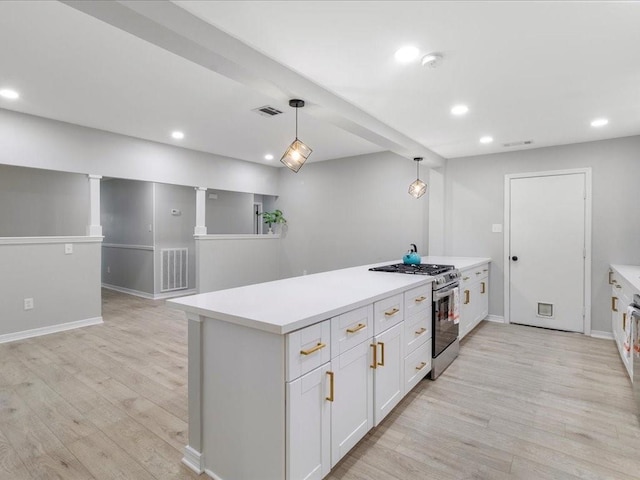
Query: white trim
{"type": "Point", "coordinates": [156, 259]}
{"type": "Point", "coordinates": [129, 247]}
{"type": "Point", "coordinates": [61, 327]}
{"type": "Point", "coordinates": [212, 475]}
{"type": "Point", "coordinates": [601, 334]}
{"type": "Point", "coordinates": [495, 318]}
{"type": "Point", "coordinates": [587, 233]}
{"type": "Point", "coordinates": [239, 236]}
{"type": "Point", "coordinates": [150, 296]}
{"type": "Point", "coordinates": [49, 240]}
{"type": "Point", "coordinates": [193, 459]}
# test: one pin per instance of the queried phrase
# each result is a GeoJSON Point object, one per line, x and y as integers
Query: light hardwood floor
{"type": "Point", "coordinates": [110, 402]}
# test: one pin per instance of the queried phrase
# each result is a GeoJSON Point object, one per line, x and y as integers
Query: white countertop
{"type": "Point", "coordinates": [631, 273]}
{"type": "Point", "coordinates": [283, 306]}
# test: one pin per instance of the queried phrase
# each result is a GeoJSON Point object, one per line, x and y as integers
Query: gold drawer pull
{"type": "Point", "coordinates": [392, 312]}
{"type": "Point", "coordinates": [357, 328]}
{"type": "Point", "coordinates": [478, 273]}
{"type": "Point", "coordinates": [485, 270]}
{"type": "Point", "coordinates": [381, 354]}
{"type": "Point", "coordinates": [421, 331]}
{"type": "Point", "coordinates": [484, 289]}
{"type": "Point", "coordinates": [330, 397]}
{"type": "Point", "coordinates": [421, 366]}
{"type": "Point", "coordinates": [611, 281]}
{"type": "Point", "coordinates": [374, 365]}
{"type": "Point", "coordinates": [618, 286]}
{"type": "Point", "coordinates": [420, 299]}
{"type": "Point", "coordinates": [466, 297]}
{"type": "Point", "coordinates": [319, 346]}
{"type": "Point", "coordinates": [624, 321]}
{"type": "Point", "coordinates": [465, 278]}
{"type": "Point", "coordinates": [613, 304]}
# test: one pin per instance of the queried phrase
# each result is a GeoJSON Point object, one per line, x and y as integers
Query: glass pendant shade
{"type": "Point", "coordinates": [296, 155]}
{"type": "Point", "coordinates": [417, 188]}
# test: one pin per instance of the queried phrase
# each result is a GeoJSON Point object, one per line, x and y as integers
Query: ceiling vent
{"type": "Point", "coordinates": [267, 111]}
{"type": "Point", "coordinates": [518, 144]}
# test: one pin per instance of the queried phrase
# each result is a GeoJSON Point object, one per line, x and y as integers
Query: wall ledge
{"type": "Point", "coordinates": [36, 332]}
{"type": "Point", "coordinates": [129, 247]}
{"type": "Point", "coordinates": [151, 296]}
{"type": "Point", "coordinates": [49, 240]}
{"type": "Point", "coordinates": [239, 236]}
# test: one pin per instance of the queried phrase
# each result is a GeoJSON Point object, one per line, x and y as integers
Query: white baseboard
{"type": "Point", "coordinates": [494, 318]}
{"type": "Point", "coordinates": [193, 459]}
{"type": "Point", "coordinates": [600, 334]}
{"type": "Point", "coordinates": [36, 332]}
{"type": "Point", "coordinates": [150, 296]}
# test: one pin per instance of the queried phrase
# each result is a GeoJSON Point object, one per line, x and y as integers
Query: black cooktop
{"type": "Point", "coordinates": [422, 269]}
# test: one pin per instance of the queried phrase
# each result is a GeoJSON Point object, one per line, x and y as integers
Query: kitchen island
{"type": "Point", "coordinates": [285, 377]}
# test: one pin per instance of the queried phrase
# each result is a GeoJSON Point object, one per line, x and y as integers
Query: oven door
{"type": "Point", "coordinates": [445, 331]}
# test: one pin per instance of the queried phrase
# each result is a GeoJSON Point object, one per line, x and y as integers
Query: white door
{"type": "Point", "coordinates": [388, 381]}
{"type": "Point", "coordinates": [309, 425]}
{"type": "Point", "coordinates": [352, 406]}
{"type": "Point", "coordinates": [546, 262]}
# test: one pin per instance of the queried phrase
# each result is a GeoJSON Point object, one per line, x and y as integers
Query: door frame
{"type": "Point", "coordinates": [587, 232]}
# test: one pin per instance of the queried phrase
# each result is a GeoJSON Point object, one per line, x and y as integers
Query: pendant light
{"type": "Point", "coordinates": [417, 188]}
{"type": "Point", "coordinates": [298, 152]}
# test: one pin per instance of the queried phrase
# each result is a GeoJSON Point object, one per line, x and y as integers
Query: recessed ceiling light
{"type": "Point", "coordinates": [177, 135]}
{"type": "Point", "coordinates": [432, 60]}
{"type": "Point", "coordinates": [486, 139]}
{"type": "Point", "coordinates": [407, 54]}
{"type": "Point", "coordinates": [8, 93]}
{"type": "Point", "coordinates": [599, 122]}
{"type": "Point", "coordinates": [459, 109]}
{"type": "Point", "coordinates": [268, 156]}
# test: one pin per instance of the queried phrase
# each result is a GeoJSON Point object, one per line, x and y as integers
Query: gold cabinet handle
{"type": "Point", "coordinates": [484, 289]}
{"type": "Point", "coordinates": [374, 365]}
{"type": "Point", "coordinates": [624, 321]}
{"type": "Point", "coordinates": [613, 304]}
{"type": "Point", "coordinates": [485, 270]}
{"type": "Point", "coordinates": [357, 328]}
{"type": "Point", "coordinates": [466, 297]}
{"type": "Point", "coordinates": [478, 273]}
{"type": "Point", "coordinates": [319, 346]}
{"type": "Point", "coordinates": [381, 354]}
{"type": "Point", "coordinates": [611, 280]}
{"type": "Point", "coordinates": [465, 278]}
{"type": "Point", "coordinates": [420, 299]}
{"type": "Point", "coordinates": [330, 397]}
{"type": "Point", "coordinates": [421, 331]}
{"type": "Point", "coordinates": [392, 312]}
{"type": "Point", "coordinates": [618, 286]}
{"type": "Point", "coordinates": [421, 366]}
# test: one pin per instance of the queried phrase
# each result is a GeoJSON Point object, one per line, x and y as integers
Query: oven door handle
{"type": "Point", "coordinates": [440, 296]}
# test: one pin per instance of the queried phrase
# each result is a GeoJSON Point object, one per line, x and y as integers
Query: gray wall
{"type": "Point", "coordinates": [36, 202]}
{"type": "Point", "coordinates": [231, 212]}
{"type": "Point", "coordinates": [33, 141]}
{"type": "Point", "coordinates": [65, 288]}
{"type": "Point", "coordinates": [350, 211]}
{"type": "Point", "coordinates": [474, 200]}
{"type": "Point", "coordinates": [127, 215]}
{"type": "Point", "coordinates": [175, 231]}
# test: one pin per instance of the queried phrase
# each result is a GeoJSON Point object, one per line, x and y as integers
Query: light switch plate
{"type": "Point", "coordinates": [28, 303]}
{"type": "Point", "coordinates": [68, 248]}
{"type": "Point", "coordinates": [496, 228]}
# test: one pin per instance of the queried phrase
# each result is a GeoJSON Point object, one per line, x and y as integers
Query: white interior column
{"type": "Point", "coordinates": [94, 229]}
{"type": "Point", "coordinates": [201, 210]}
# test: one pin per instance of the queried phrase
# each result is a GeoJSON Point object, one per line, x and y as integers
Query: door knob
{"type": "Point", "coordinates": [514, 258]}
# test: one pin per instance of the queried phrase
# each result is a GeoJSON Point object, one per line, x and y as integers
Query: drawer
{"type": "Point", "coordinates": [417, 330]}
{"type": "Point", "coordinates": [351, 329]}
{"type": "Point", "coordinates": [308, 348]}
{"type": "Point", "coordinates": [417, 300]}
{"type": "Point", "coordinates": [387, 313]}
{"type": "Point", "coordinates": [473, 275]}
{"type": "Point", "coordinates": [416, 366]}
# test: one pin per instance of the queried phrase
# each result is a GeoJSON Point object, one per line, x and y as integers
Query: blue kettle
{"type": "Point", "coordinates": [412, 257]}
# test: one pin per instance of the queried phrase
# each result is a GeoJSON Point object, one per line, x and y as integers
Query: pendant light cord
{"type": "Point", "coordinates": [296, 123]}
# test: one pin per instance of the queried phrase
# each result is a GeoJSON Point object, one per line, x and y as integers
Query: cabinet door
{"type": "Point", "coordinates": [388, 382]}
{"type": "Point", "coordinates": [466, 310]}
{"type": "Point", "coordinates": [352, 406]}
{"type": "Point", "coordinates": [483, 299]}
{"type": "Point", "coordinates": [308, 453]}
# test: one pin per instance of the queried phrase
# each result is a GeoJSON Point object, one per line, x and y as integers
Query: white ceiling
{"type": "Point", "coordinates": [536, 71]}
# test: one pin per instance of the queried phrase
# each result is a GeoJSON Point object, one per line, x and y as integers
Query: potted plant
{"type": "Point", "coordinates": [273, 217]}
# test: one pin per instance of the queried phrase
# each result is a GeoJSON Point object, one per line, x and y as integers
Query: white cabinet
{"type": "Point", "coordinates": [621, 296]}
{"type": "Point", "coordinates": [474, 297]}
{"type": "Point", "coordinates": [308, 439]}
{"type": "Point", "coordinates": [388, 362]}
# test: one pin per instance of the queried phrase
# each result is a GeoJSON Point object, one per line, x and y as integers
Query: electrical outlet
{"type": "Point", "coordinates": [28, 303]}
{"type": "Point", "coordinates": [68, 248]}
{"type": "Point", "coordinates": [496, 228]}
{"type": "Point", "coordinates": [109, 269]}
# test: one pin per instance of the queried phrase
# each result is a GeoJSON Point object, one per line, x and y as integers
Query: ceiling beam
{"type": "Point", "coordinates": [172, 28]}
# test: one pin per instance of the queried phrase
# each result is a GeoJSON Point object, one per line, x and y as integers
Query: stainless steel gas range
{"type": "Point", "coordinates": [445, 343]}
